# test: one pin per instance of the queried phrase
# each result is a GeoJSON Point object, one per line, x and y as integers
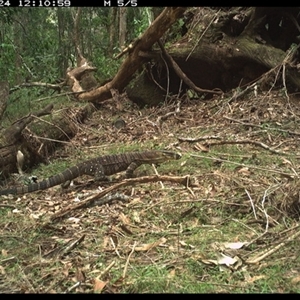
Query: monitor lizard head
{"type": "Point", "coordinates": [160, 156]}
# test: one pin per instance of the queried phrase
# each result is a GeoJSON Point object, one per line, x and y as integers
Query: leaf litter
{"type": "Point", "coordinates": [241, 158]}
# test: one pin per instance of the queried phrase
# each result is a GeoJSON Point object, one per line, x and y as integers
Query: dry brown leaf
{"type": "Point", "coordinates": [134, 202]}
{"type": "Point", "coordinates": [296, 279]}
{"type": "Point", "coordinates": [80, 275]}
{"type": "Point", "coordinates": [183, 243]}
{"type": "Point", "coordinates": [4, 253]}
{"type": "Point", "coordinates": [201, 147]}
{"type": "Point", "coordinates": [105, 242]}
{"type": "Point", "coordinates": [66, 268]}
{"type": "Point", "coordinates": [99, 285]}
{"type": "Point", "coordinates": [244, 171]}
{"type": "Point", "coordinates": [172, 273]}
{"type": "Point", "coordinates": [147, 247]}
{"type": "Point", "coordinates": [125, 220]}
{"type": "Point", "coordinates": [286, 161]}
{"type": "Point", "coordinates": [210, 190]}
{"type": "Point", "coordinates": [2, 270]}
{"type": "Point", "coordinates": [254, 278]}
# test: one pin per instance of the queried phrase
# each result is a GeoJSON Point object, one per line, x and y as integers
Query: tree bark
{"type": "Point", "coordinates": [134, 60]}
{"type": "Point", "coordinates": [122, 26]}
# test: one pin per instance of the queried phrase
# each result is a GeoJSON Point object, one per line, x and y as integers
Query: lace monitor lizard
{"type": "Point", "coordinates": [99, 167]}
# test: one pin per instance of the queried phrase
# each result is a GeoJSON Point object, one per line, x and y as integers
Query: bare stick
{"type": "Point", "coordinates": [183, 76]}
{"type": "Point", "coordinates": [127, 260]}
{"type": "Point", "coordinates": [252, 204]}
{"type": "Point", "coordinates": [262, 127]}
{"type": "Point", "coordinates": [233, 142]}
{"type": "Point", "coordinates": [106, 269]}
{"type": "Point", "coordinates": [244, 165]}
{"type": "Point", "coordinates": [200, 138]}
{"type": "Point", "coordinates": [132, 181]}
{"type": "Point", "coordinates": [156, 173]}
{"type": "Point", "coordinates": [272, 250]}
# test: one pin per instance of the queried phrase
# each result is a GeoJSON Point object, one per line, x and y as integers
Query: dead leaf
{"type": "Point", "coordinates": [124, 219]}
{"type": "Point", "coordinates": [236, 245]}
{"type": "Point", "coordinates": [2, 270]}
{"type": "Point", "coordinates": [296, 279]}
{"type": "Point", "coordinates": [35, 216]}
{"type": "Point", "coordinates": [226, 260]}
{"type": "Point", "coordinates": [255, 278]}
{"type": "Point", "coordinates": [146, 247]}
{"type": "Point", "coordinates": [183, 243]}
{"type": "Point", "coordinates": [99, 285]}
{"type": "Point", "coordinates": [244, 171]}
{"type": "Point", "coordinates": [80, 275]}
{"type": "Point", "coordinates": [209, 261]}
{"type": "Point", "coordinates": [286, 161]}
{"type": "Point", "coordinates": [201, 147]}
{"type": "Point", "coordinates": [134, 202]}
{"type": "Point", "coordinates": [172, 273]}
{"type": "Point", "coordinates": [4, 253]}
{"type": "Point", "coordinates": [73, 220]}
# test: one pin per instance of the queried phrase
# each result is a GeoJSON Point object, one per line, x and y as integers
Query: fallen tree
{"type": "Point", "coordinates": [39, 140]}
{"type": "Point", "coordinates": [220, 49]}
{"type": "Point", "coordinates": [224, 49]}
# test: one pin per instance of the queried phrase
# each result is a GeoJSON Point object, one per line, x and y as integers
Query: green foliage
{"type": "Point", "coordinates": [37, 45]}
{"type": "Point", "coordinates": [138, 21]}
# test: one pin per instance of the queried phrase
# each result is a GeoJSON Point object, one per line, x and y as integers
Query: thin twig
{"type": "Point", "coordinates": [256, 143]}
{"type": "Point", "coordinates": [252, 204]}
{"type": "Point", "coordinates": [127, 260]}
{"type": "Point", "coordinates": [156, 173]}
{"type": "Point", "coordinates": [238, 221]}
{"type": "Point", "coordinates": [106, 269]}
{"type": "Point", "coordinates": [272, 250]}
{"type": "Point", "coordinates": [115, 248]}
{"type": "Point", "coordinates": [73, 287]}
{"type": "Point", "coordinates": [200, 138]}
{"type": "Point", "coordinates": [263, 208]}
{"type": "Point", "coordinates": [203, 33]}
{"type": "Point", "coordinates": [244, 165]}
{"type": "Point", "coordinates": [7, 206]}
{"type": "Point", "coordinates": [262, 127]}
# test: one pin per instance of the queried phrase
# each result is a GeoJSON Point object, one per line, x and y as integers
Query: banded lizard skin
{"type": "Point", "coordinates": [99, 167]}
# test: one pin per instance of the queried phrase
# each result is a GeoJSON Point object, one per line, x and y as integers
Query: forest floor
{"type": "Point", "coordinates": [234, 227]}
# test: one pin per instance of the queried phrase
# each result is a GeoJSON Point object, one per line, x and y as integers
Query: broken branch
{"type": "Point", "coordinates": [132, 181]}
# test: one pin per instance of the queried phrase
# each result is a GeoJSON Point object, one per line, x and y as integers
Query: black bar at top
{"type": "Point", "coordinates": [77, 3]}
